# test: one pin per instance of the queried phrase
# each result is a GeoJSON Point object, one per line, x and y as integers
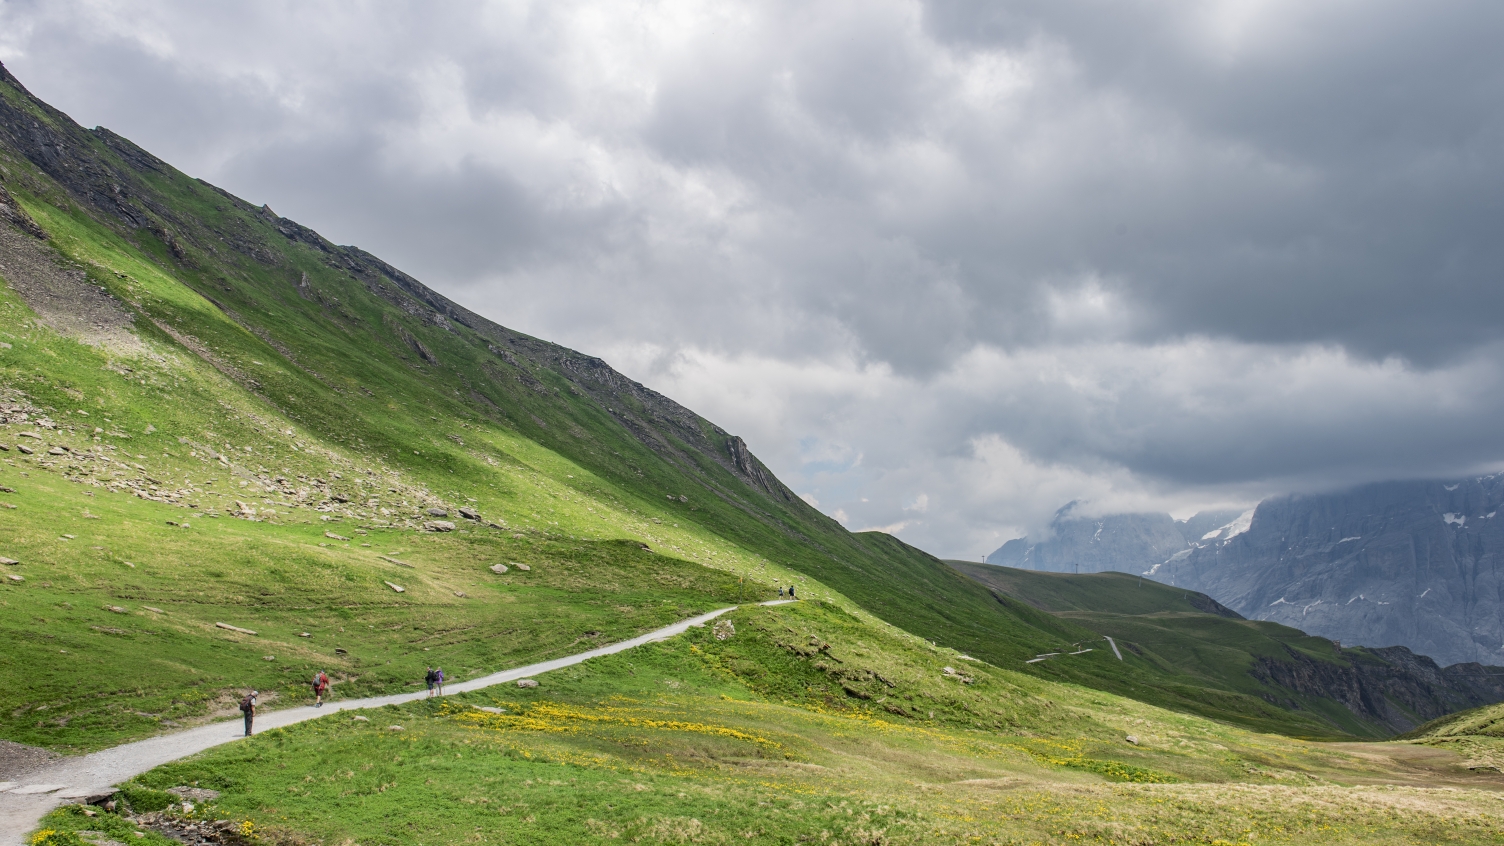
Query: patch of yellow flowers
{"type": "Point", "coordinates": [559, 718]}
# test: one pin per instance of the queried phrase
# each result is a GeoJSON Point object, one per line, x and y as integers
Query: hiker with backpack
{"type": "Point", "coordinates": [248, 707]}
{"type": "Point", "coordinates": [439, 679]}
{"type": "Point", "coordinates": [320, 685]}
{"type": "Point", "coordinates": [431, 679]}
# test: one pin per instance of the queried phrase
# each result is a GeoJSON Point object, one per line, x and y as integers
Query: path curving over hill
{"type": "Point", "coordinates": [28, 796]}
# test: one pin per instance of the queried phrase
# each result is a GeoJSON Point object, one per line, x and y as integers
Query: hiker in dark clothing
{"type": "Point", "coordinates": [248, 707]}
{"type": "Point", "coordinates": [791, 592]}
{"type": "Point", "coordinates": [431, 679]}
{"type": "Point", "coordinates": [780, 591]}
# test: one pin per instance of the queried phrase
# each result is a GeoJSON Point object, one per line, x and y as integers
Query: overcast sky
{"type": "Point", "coordinates": [946, 266]}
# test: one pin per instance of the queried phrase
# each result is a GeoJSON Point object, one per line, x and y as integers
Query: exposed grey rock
{"type": "Point", "coordinates": [468, 513]}
{"type": "Point", "coordinates": [1420, 564]}
{"type": "Point", "coordinates": [437, 512]}
{"type": "Point", "coordinates": [194, 794]}
{"type": "Point", "coordinates": [526, 683]}
{"type": "Point", "coordinates": [498, 569]}
{"type": "Point", "coordinates": [723, 630]}
{"type": "Point", "coordinates": [438, 526]}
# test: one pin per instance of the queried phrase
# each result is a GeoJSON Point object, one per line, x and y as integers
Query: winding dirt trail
{"type": "Point", "coordinates": [28, 797]}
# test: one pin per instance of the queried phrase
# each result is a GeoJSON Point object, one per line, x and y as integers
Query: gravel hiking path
{"type": "Point", "coordinates": [25, 797]}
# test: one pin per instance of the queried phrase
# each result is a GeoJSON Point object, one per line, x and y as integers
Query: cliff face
{"type": "Point", "coordinates": [1125, 543]}
{"type": "Point", "coordinates": [1419, 564]}
{"type": "Point", "coordinates": [1391, 686]}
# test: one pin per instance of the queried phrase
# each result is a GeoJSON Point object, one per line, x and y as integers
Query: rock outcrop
{"type": "Point", "coordinates": [1418, 564]}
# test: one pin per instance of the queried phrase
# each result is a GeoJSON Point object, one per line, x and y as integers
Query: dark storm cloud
{"type": "Point", "coordinates": [947, 265]}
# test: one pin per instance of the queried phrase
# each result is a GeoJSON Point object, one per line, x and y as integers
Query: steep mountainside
{"type": "Point", "coordinates": [239, 421]}
{"type": "Point", "coordinates": [1125, 543]}
{"type": "Point", "coordinates": [1419, 564]}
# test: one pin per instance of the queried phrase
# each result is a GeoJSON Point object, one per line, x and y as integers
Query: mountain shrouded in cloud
{"type": "Point", "coordinates": [946, 266]}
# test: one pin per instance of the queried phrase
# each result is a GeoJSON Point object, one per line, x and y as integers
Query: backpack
{"type": "Point", "coordinates": [245, 704]}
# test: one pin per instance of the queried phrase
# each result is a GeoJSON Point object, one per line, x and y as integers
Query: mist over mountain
{"type": "Point", "coordinates": [1129, 543]}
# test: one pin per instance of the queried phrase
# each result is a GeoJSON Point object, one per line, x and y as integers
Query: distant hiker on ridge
{"type": "Point", "coordinates": [248, 707]}
{"type": "Point", "coordinates": [431, 678]}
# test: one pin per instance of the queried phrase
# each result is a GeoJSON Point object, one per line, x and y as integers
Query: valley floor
{"type": "Point", "coordinates": [688, 741]}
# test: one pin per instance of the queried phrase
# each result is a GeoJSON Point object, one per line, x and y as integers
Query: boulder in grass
{"type": "Point", "coordinates": [397, 588]}
{"type": "Point", "coordinates": [438, 526]}
{"type": "Point", "coordinates": [527, 683]}
{"type": "Point", "coordinates": [523, 567]}
{"type": "Point", "coordinates": [437, 512]}
{"type": "Point", "coordinates": [498, 569]}
{"type": "Point", "coordinates": [469, 513]}
{"type": "Point", "coordinates": [8, 561]}
{"type": "Point", "coordinates": [394, 728]}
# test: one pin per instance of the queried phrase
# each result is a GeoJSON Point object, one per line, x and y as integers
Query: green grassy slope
{"type": "Point", "coordinates": [1476, 736]}
{"type": "Point", "coordinates": [263, 379]}
{"type": "Point", "coordinates": [752, 739]}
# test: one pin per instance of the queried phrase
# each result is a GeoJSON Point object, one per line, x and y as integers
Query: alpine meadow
{"type": "Point", "coordinates": [234, 454]}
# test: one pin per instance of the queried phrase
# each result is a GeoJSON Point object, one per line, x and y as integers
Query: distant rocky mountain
{"type": "Point", "coordinates": [1127, 543]}
{"type": "Point", "coordinates": [1420, 564]}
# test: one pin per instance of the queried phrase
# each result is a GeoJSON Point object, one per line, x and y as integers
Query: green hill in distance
{"type": "Point", "coordinates": [1188, 651]}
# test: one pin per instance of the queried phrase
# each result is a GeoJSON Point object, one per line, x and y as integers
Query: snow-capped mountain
{"type": "Point", "coordinates": [1418, 564]}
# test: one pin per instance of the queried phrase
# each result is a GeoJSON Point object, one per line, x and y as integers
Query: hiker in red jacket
{"type": "Point", "coordinates": [320, 686]}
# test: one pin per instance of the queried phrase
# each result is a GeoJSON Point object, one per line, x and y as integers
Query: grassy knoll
{"type": "Point", "coordinates": [1117, 593]}
{"type": "Point", "coordinates": [1477, 736]}
{"type": "Point", "coordinates": [751, 739]}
